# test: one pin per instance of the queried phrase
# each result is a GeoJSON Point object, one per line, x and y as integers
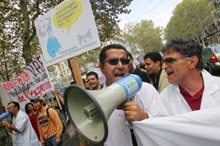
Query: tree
{"type": "Point", "coordinates": [9, 44]}
{"type": "Point", "coordinates": [18, 32]}
{"type": "Point", "coordinates": [190, 19]}
{"type": "Point", "coordinates": [143, 35]}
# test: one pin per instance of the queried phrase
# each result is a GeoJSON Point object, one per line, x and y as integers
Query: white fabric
{"type": "Point", "coordinates": [190, 129]}
{"type": "Point", "coordinates": [27, 135]}
{"type": "Point", "coordinates": [119, 133]}
{"type": "Point", "coordinates": [184, 127]}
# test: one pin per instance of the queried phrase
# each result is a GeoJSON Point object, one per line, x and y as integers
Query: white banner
{"type": "Point", "coordinates": [67, 30]}
{"type": "Point", "coordinates": [198, 128]}
{"type": "Point", "coordinates": [32, 82]}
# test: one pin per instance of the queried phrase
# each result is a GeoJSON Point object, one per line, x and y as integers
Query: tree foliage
{"type": "Point", "coordinates": [189, 20]}
{"type": "Point", "coordinates": [18, 40]}
{"type": "Point", "coordinates": [143, 35]}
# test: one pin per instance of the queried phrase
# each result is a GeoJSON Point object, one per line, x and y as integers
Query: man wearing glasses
{"type": "Point", "coordinates": [192, 88]}
{"type": "Point", "coordinates": [146, 103]}
{"type": "Point", "coordinates": [192, 100]}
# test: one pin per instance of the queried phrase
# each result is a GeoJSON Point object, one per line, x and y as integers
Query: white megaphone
{"type": "Point", "coordinates": [89, 110]}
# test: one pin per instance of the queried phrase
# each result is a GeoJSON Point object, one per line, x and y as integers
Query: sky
{"type": "Point", "coordinates": [159, 11]}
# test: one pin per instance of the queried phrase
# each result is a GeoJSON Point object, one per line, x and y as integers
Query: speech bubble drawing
{"type": "Point", "coordinates": [67, 14]}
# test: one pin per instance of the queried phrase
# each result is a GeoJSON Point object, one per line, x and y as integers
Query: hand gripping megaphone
{"type": "Point", "coordinates": [89, 110]}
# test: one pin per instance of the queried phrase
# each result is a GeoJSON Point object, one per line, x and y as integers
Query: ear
{"type": "Point", "coordinates": [158, 63]}
{"type": "Point", "coordinates": [193, 62]}
{"type": "Point", "coordinates": [101, 66]}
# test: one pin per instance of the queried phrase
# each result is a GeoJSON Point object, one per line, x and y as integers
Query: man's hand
{"type": "Point", "coordinates": [58, 140]}
{"type": "Point", "coordinates": [133, 112]}
{"type": "Point", "coordinates": [43, 143]}
{"type": "Point", "coordinates": [6, 124]}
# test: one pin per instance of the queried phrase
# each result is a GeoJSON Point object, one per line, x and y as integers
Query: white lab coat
{"type": "Point", "coordinates": [176, 104]}
{"type": "Point", "coordinates": [184, 127]}
{"type": "Point", "coordinates": [27, 135]}
{"type": "Point", "coordinates": [149, 100]}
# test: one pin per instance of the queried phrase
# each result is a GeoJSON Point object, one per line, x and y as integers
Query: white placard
{"type": "Point", "coordinates": [66, 31]}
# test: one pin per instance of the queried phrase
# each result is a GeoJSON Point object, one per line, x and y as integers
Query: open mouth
{"type": "Point", "coordinates": [119, 75]}
{"type": "Point", "coordinates": [169, 72]}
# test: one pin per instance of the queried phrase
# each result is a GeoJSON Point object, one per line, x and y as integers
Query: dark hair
{"type": "Point", "coordinates": [129, 55]}
{"type": "Point", "coordinates": [102, 54]}
{"type": "Point", "coordinates": [154, 56]}
{"type": "Point", "coordinates": [92, 73]}
{"type": "Point", "coordinates": [16, 104]}
{"type": "Point", "coordinates": [26, 107]}
{"type": "Point", "coordinates": [187, 48]}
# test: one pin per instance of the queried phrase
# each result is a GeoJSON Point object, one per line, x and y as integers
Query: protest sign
{"type": "Point", "coordinates": [66, 31]}
{"type": "Point", "coordinates": [32, 82]}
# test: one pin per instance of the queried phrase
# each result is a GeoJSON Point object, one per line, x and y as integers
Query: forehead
{"type": "Point", "coordinates": [37, 101]}
{"type": "Point", "coordinates": [10, 105]}
{"type": "Point", "coordinates": [148, 60]}
{"type": "Point", "coordinates": [116, 53]}
{"type": "Point", "coordinates": [91, 77]}
{"type": "Point", "coordinates": [171, 52]}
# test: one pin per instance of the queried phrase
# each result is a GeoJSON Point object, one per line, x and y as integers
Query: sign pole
{"type": "Point", "coordinates": [76, 71]}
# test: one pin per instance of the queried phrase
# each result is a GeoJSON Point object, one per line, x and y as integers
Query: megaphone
{"type": "Point", "coordinates": [4, 115]}
{"type": "Point", "coordinates": [89, 110]}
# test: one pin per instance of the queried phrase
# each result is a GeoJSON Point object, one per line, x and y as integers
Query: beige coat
{"type": "Point", "coordinates": [163, 82]}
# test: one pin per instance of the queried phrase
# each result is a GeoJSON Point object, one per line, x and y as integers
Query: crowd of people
{"type": "Point", "coordinates": [174, 83]}
{"type": "Point", "coordinates": [41, 125]}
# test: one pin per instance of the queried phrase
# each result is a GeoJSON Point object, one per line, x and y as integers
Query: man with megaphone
{"type": "Point", "coordinates": [145, 104]}
{"type": "Point", "coordinates": [23, 132]}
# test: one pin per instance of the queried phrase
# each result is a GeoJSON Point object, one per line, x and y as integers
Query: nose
{"type": "Point", "coordinates": [119, 64]}
{"type": "Point", "coordinates": [164, 65]}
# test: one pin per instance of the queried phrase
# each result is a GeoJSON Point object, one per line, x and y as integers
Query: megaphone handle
{"type": "Point", "coordinates": [128, 123]}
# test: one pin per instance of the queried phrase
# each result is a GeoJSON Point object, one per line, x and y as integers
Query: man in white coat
{"type": "Point", "coordinates": [23, 132]}
{"type": "Point", "coordinates": [147, 104]}
{"type": "Point", "coordinates": [191, 99]}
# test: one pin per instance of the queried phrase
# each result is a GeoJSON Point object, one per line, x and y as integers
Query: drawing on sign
{"type": "Point", "coordinates": [83, 38]}
{"type": "Point", "coordinates": [53, 44]}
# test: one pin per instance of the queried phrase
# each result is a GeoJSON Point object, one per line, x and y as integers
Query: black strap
{"type": "Point", "coordinates": [133, 138]}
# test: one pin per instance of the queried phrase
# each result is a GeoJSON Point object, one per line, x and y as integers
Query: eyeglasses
{"type": "Point", "coordinates": [114, 61]}
{"type": "Point", "coordinates": [172, 60]}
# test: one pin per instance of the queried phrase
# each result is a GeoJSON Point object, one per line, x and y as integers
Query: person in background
{"type": "Point", "coordinates": [23, 132]}
{"type": "Point", "coordinates": [146, 103]}
{"type": "Point", "coordinates": [5, 136]}
{"type": "Point", "coordinates": [191, 87]}
{"type": "Point", "coordinates": [29, 109]}
{"type": "Point", "coordinates": [143, 75]}
{"type": "Point", "coordinates": [93, 81]}
{"type": "Point", "coordinates": [50, 127]}
{"type": "Point", "coordinates": [153, 66]}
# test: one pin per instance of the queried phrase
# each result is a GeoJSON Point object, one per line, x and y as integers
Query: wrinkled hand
{"type": "Point", "coordinates": [133, 112]}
